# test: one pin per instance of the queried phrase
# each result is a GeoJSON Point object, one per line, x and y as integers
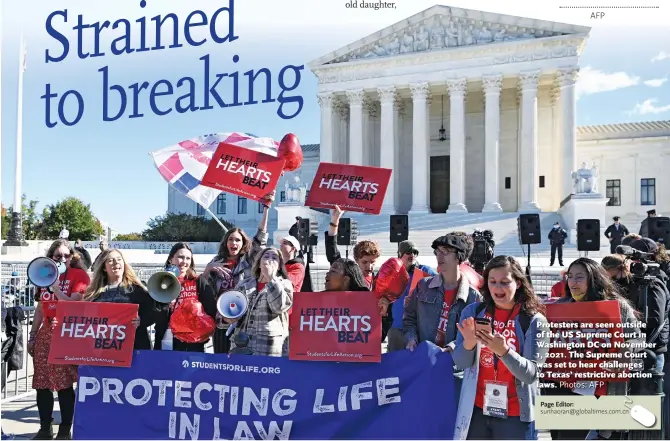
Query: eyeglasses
{"type": "Point", "coordinates": [61, 256]}
{"type": "Point", "coordinates": [412, 253]}
{"type": "Point", "coordinates": [576, 279]}
{"type": "Point", "coordinates": [444, 253]}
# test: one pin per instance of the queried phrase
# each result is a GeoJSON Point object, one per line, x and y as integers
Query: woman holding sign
{"type": "Point", "coordinates": [232, 264]}
{"type": "Point", "coordinates": [188, 321]}
{"type": "Point", "coordinates": [500, 346]}
{"type": "Point", "coordinates": [114, 281]}
{"type": "Point", "coordinates": [269, 294]}
{"type": "Point", "coordinates": [589, 282]}
{"type": "Point", "coordinates": [54, 377]}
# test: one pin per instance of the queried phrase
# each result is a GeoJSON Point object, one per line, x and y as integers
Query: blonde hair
{"type": "Point", "coordinates": [256, 268]}
{"type": "Point", "coordinates": [99, 281]}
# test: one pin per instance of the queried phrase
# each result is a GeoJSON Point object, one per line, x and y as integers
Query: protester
{"type": "Point", "coordinates": [115, 281]}
{"type": "Point", "coordinates": [589, 282]}
{"type": "Point", "coordinates": [79, 248]}
{"type": "Point", "coordinates": [476, 280]}
{"type": "Point", "coordinates": [195, 305]}
{"type": "Point", "coordinates": [558, 289]}
{"type": "Point", "coordinates": [293, 231]}
{"type": "Point", "coordinates": [435, 305]}
{"type": "Point", "coordinates": [270, 296]}
{"type": "Point", "coordinates": [295, 265]}
{"type": "Point", "coordinates": [55, 377]}
{"type": "Point", "coordinates": [345, 275]}
{"type": "Point", "coordinates": [232, 264]}
{"type": "Point", "coordinates": [103, 245]}
{"type": "Point", "coordinates": [615, 232]}
{"type": "Point", "coordinates": [557, 237]}
{"type": "Point", "coordinates": [366, 252]}
{"type": "Point", "coordinates": [491, 360]}
{"type": "Point", "coordinates": [407, 253]}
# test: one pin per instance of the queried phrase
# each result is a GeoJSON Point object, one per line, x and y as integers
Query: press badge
{"type": "Point", "coordinates": [495, 399]}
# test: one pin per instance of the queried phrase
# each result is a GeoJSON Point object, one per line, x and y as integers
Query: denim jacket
{"type": "Point", "coordinates": [523, 366]}
{"type": "Point", "coordinates": [422, 314]}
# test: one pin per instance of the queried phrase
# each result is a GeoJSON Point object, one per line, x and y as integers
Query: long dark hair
{"type": "Point", "coordinates": [353, 271]}
{"type": "Point", "coordinates": [600, 285]}
{"type": "Point", "coordinates": [190, 273]}
{"type": "Point", "coordinates": [524, 295]}
{"type": "Point", "coordinates": [224, 254]}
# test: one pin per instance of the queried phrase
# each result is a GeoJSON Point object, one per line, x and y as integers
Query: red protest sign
{"type": "Point", "coordinates": [352, 187]}
{"type": "Point", "coordinates": [335, 326]}
{"type": "Point", "coordinates": [586, 341]}
{"type": "Point", "coordinates": [92, 333]}
{"type": "Point", "coordinates": [243, 172]}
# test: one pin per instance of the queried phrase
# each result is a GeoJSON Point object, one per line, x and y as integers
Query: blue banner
{"type": "Point", "coordinates": [186, 395]}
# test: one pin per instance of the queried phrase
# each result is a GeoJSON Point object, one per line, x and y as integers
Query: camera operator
{"type": "Point", "coordinates": [643, 284]}
{"type": "Point", "coordinates": [482, 251]}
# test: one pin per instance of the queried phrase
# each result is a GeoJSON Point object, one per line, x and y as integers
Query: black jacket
{"type": "Point", "coordinates": [616, 234]}
{"type": "Point", "coordinates": [12, 348]}
{"type": "Point", "coordinates": [206, 296]}
{"type": "Point", "coordinates": [147, 311]}
{"type": "Point", "coordinates": [557, 236]}
{"type": "Point", "coordinates": [85, 255]}
{"type": "Point", "coordinates": [654, 313]}
{"type": "Point", "coordinates": [293, 231]}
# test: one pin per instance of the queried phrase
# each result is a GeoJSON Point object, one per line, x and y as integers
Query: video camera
{"type": "Point", "coordinates": [483, 249]}
{"type": "Point", "coordinates": [642, 267]}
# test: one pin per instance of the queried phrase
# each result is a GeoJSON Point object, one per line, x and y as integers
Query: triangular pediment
{"type": "Point", "coordinates": [442, 28]}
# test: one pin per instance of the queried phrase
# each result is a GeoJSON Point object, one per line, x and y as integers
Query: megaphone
{"type": "Point", "coordinates": [44, 272]}
{"type": "Point", "coordinates": [164, 286]}
{"type": "Point", "coordinates": [232, 305]}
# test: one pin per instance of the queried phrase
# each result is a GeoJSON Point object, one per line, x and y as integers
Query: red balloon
{"type": "Point", "coordinates": [475, 279]}
{"type": "Point", "coordinates": [392, 279]}
{"type": "Point", "coordinates": [290, 151]}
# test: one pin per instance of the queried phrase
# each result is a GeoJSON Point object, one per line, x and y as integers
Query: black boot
{"type": "Point", "coordinates": [64, 431]}
{"type": "Point", "coordinates": [46, 431]}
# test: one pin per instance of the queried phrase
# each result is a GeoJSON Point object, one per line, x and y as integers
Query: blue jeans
{"type": "Point", "coordinates": [486, 427]}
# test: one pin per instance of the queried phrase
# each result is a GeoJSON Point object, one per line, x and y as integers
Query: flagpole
{"type": "Point", "coordinates": [15, 236]}
{"type": "Point", "coordinates": [225, 230]}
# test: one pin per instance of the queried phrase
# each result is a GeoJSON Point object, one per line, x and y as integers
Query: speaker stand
{"type": "Point", "coordinates": [346, 252]}
{"type": "Point", "coordinates": [528, 265]}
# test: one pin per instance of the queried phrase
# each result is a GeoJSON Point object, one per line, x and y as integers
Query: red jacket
{"type": "Point", "coordinates": [295, 269]}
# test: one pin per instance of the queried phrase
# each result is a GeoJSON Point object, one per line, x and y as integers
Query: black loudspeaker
{"type": "Point", "coordinates": [588, 235]}
{"type": "Point", "coordinates": [399, 228]}
{"type": "Point", "coordinates": [347, 232]}
{"type": "Point", "coordinates": [659, 231]}
{"type": "Point", "coordinates": [306, 229]}
{"type": "Point", "coordinates": [530, 232]}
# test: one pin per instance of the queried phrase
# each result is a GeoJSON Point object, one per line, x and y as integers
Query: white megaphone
{"type": "Point", "coordinates": [44, 272]}
{"type": "Point", "coordinates": [164, 286]}
{"type": "Point", "coordinates": [232, 305]}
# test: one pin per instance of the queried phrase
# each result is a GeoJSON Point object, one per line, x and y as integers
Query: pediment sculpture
{"type": "Point", "coordinates": [585, 180]}
{"type": "Point", "coordinates": [443, 32]}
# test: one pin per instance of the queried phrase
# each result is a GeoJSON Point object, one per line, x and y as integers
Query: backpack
{"type": "Point", "coordinates": [524, 318]}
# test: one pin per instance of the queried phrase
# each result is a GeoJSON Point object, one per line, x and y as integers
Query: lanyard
{"type": "Point", "coordinates": [495, 357]}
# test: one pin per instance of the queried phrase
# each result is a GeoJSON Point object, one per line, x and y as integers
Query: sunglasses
{"type": "Point", "coordinates": [61, 256]}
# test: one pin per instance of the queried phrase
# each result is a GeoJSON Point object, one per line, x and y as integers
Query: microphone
{"type": "Point", "coordinates": [632, 252]}
{"type": "Point", "coordinates": [624, 249]}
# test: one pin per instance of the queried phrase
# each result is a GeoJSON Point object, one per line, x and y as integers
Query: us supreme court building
{"type": "Point", "coordinates": [472, 110]}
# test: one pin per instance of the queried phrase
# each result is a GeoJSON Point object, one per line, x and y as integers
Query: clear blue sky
{"type": "Point", "coordinates": [107, 164]}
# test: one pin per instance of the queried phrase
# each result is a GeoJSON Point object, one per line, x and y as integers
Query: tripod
{"type": "Point", "coordinates": [528, 265]}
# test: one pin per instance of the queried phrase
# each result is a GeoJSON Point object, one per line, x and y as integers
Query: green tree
{"type": "Point", "coordinates": [183, 227]}
{"type": "Point", "coordinates": [31, 220]}
{"type": "Point", "coordinates": [75, 216]}
{"type": "Point", "coordinates": [129, 237]}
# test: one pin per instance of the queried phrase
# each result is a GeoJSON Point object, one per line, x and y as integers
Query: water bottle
{"type": "Point", "coordinates": [166, 343]}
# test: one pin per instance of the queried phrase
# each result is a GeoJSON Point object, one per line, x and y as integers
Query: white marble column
{"type": "Point", "coordinates": [387, 97]}
{"type": "Point", "coordinates": [325, 100]}
{"type": "Point", "coordinates": [355, 98]}
{"type": "Point", "coordinates": [492, 85]}
{"type": "Point", "coordinates": [420, 146]}
{"type": "Point", "coordinates": [528, 83]}
{"type": "Point", "coordinates": [565, 81]}
{"type": "Point", "coordinates": [457, 90]}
